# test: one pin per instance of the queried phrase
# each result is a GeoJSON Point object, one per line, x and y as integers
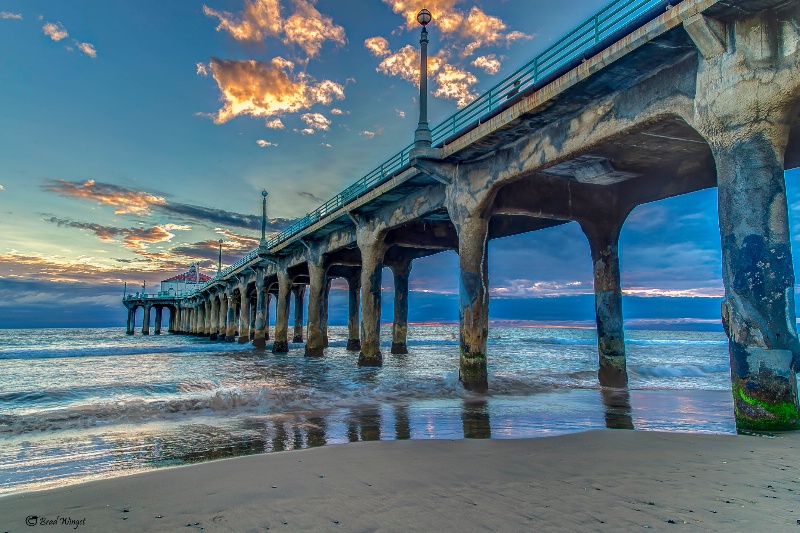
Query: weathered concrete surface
{"type": "Point", "coordinates": [299, 292]}
{"type": "Point", "coordinates": [159, 311]}
{"type": "Point", "coordinates": [315, 345]}
{"type": "Point", "coordinates": [372, 246]}
{"type": "Point", "coordinates": [230, 322]}
{"type": "Point", "coordinates": [259, 340]}
{"type": "Point", "coordinates": [747, 99]}
{"type": "Point", "coordinates": [324, 311]}
{"type": "Point", "coordinates": [281, 343]}
{"type": "Point", "coordinates": [244, 316]}
{"type": "Point", "coordinates": [603, 236]}
{"type": "Point", "coordinates": [401, 272]}
{"type": "Point", "coordinates": [213, 322]}
{"type": "Point", "coordinates": [353, 305]}
{"type": "Point", "coordinates": [223, 316]}
{"type": "Point", "coordinates": [146, 321]}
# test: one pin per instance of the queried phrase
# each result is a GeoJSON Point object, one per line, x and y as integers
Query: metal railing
{"type": "Point", "coordinates": [595, 30]}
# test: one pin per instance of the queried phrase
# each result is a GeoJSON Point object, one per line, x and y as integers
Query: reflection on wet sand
{"type": "Point", "coordinates": [475, 419]}
{"type": "Point", "coordinates": [618, 408]}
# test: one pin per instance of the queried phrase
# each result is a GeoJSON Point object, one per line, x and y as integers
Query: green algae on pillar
{"type": "Point", "coordinates": [473, 302]}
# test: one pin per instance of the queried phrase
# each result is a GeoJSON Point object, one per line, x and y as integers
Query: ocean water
{"type": "Point", "coordinates": [81, 404]}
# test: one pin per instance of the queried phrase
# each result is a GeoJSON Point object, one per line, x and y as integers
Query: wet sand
{"type": "Point", "coordinates": [603, 480]}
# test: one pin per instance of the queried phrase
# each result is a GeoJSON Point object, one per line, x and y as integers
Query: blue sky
{"type": "Point", "coordinates": [136, 134]}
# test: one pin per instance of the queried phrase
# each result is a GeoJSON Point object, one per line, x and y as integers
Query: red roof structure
{"type": "Point", "coordinates": [189, 277]}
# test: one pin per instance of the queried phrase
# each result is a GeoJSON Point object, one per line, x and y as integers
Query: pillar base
{"type": "Point", "coordinates": [609, 376]}
{"type": "Point", "coordinates": [243, 339]}
{"type": "Point", "coordinates": [765, 401]}
{"type": "Point", "coordinates": [325, 340]}
{"type": "Point", "coordinates": [156, 333]}
{"type": "Point", "coordinates": [399, 348]}
{"type": "Point", "coordinates": [280, 347]}
{"type": "Point", "coordinates": [353, 345]}
{"type": "Point", "coordinates": [473, 374]}
{"type": "Point", "coordinates": [297, 338]}
{"type": "Point", "coordinates": [212, 337]}
{"type": "Point", "coordinates": [230, 338]}
{"type": "Point", "coordinates": [370, 360]}
{"type": "Point", "coordinates": [129, 333]}
{"type": "Point", "coordinates": [260, 342]}
{"type": "Point", "coordinates": [312, 351]}
{"type": "Point", "coordinates": [145, 333]}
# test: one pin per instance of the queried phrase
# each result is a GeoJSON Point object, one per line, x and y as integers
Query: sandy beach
{"type": "Point", "coordinates": [601, 480]}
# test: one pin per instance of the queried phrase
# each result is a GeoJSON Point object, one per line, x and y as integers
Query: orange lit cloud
{"type": "Point", "coordinates": [260, 18]}
{"type": "Point", "coordinates": [275, 124]}
{"type": "Point", "coordinates": [263, 144]}
{"type": "Point", "coordinates": [7, 15]}
{"type": "Point", "coordinates": [490, 63]}
{"type": "Point", "coordinates": [131, 237]}
{"type": "Point", "coordinates": [316, 121]}
{"type": "Point", "coordinates": [266, 89]}
{"type": "Point", "coordinates": [202, 70]}
{"type": "Point", "coordinates": [306, 27]}
{"type": "Point", "coordinates": [122, 199]}
{"type": "Point", "coordinates": [309, 29]}
{"type": "Point", "coordinates": [55, 31]}
{"type": "Point", "coordinates": [405, 64]}
{"type": "Point", "coordinates": [455, 84]}
{"type": "Point", "coordinates": [378, 46]}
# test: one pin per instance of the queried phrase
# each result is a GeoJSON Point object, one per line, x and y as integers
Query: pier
{"type": "Point", "coordinates": [644, 101]}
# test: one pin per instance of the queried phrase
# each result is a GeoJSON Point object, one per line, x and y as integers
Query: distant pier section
{"type": "Point", "coordinates": [643, 101]}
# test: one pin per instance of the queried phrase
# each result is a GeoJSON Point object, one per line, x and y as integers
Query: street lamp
{"type": "Point", "coordinates": [422, 136]}
{"type": "Point", "coordinates": [219, 261]}
{"type": "Point", "coordinates": [263, 243]}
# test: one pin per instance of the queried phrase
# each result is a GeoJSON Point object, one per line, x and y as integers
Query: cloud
{"type": "Point", "coordinates": [306, 131]}
{"type": "Point", "coordinates": [275, 124]}
{"type": "Point", "coordinates": [475, 27]}
{"type": "Point", "coordinates": [202, 70]}
{"type": "Point", "coordinates": [7, 15]}
{"type": "Point", "coordinates": [449, 81]}
{"type": "Point", "coordinates": [131, 237]}
{"type": "Point", "coordinates": [87, 48]}
{"type": "Point", "coordinates": [455, 84]}
{"type": "Point", "coordinates": [309, 29]}
{"type": "Point", "coordinates": [310, 196]}
{"type": "Point", "coordinates": [400, 113]}
{"type": "Point", "coordinates": [379, 46]}
{"type": "Point", "coordinates": [2, 188]}
{"type": "Point", "coordinates": [260, 18]}
{"type": "Point", "coordinates": [266, 89]}
{"type": "Point", "coordinates": [122, 199]}
{"type": "Point", "coordinates": [489, 63]}
{"type": "Point", "coordinates": [336, 111]}
{"type": "Point", "coordinates": [306, 27]}
{"type": "Point", "coordinates": [317, 121]}
{"type": "Point", "coordinates": [262, 143]}
{"type": "Point", "coordinates": [128, 201]}
{"type": "Point", "coordinates": [55, 31]}
{"type": "Point", "coordinates": [326, 145]}
{"type": "Point", "coordinates": [368, 134]}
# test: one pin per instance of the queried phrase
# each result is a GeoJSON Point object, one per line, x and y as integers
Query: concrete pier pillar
{"type": "Point", "coordinates": [209, 313]}
{"type": "Point", "coordinates": [230, 322]}
{"type": "Point", "coordinates": [159, 311]}
{"type": "Point", "coordinates": [324, 312]}
{"type": "Point", "coordinates": [146, 320]}
{"type": "Point", "coordinates": [746, 122]}
{"type": "Point", "coordinates": [281, 343]}
{"type": "Point", "coordinates": [131, 316]}
{"type": "Point", "coordinates": [603, 236]}
{"type": "Point", "coordinates": [259, 340]}
{"type": "Point", "coordinates": [372, 252]}
{"type": "Point", "coordinates": [316, 294]}
{"type": "Point", "coordinates": [298, 291]}
{"type": "Point", "coordinates": [401, 273]}
{"type": "Point", "coordinates": [244, 317]}
{"type": "Point", "coordinates": [473, 313]}
{"type": "Point", "coordinates": [252, 316]}
{"type": "Point", "coordinates": [213, 323]}
{"type": "Point", "coordinates": [223, 317]}
{"type": "Point", "coordinates": [267, 300]}
{"type": "Point", "coordinates": [193, 319]}
{"type": "Point", "coordinates": [353, 319]}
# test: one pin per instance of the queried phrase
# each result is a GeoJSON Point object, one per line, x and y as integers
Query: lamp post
{"type": "Point", "coordinates": [219, 261]}
{"type": "Point", "coordinates": [263, 243]}
{"type": "Point", "coordinates": [422, 136]}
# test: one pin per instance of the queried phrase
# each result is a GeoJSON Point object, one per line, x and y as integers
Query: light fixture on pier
{"type": "Point", "coordinates": [219, 261]}
{"type": "Point", "coordinates": [263, 243]}
{"type": "Point", "coordinates": [422, 136]}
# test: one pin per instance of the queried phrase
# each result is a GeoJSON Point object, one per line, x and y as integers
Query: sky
{"type": "Point", "coordinates": [134, 135]}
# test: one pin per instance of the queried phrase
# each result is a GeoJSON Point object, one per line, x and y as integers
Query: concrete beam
{"type": "Point", "coordinates": [709, 34]}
